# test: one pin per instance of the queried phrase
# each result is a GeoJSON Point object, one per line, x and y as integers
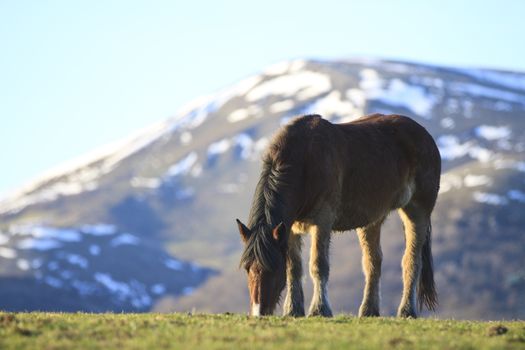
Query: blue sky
{"type": "Point", "coordinates": [75, 75]}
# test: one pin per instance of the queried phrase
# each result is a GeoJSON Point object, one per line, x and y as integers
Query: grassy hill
{"type": "Point", "coordinates": [205, 331]}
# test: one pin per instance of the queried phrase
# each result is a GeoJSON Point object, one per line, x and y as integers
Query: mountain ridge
{"type": "Point", "coordinates": [182, 189]}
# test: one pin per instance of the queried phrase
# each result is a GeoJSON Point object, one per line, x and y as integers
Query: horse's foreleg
{"type": "Point", "coordinates": [319, 271]}
{"type": "Point", "coordinates": [415, 223]}
{"type": "Point", "coordinates": [369, 238]}
{"type": "Point", "coordinates": [294, 300]}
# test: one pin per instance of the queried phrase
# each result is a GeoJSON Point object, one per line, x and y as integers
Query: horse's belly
{"type": "Point", "coordinates": [354, 220]}
{"type": "Point", "coordinates": [352, 215]}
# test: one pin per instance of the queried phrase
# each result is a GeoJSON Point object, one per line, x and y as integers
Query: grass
{"type": "Point", "coordinates": [204, 331]}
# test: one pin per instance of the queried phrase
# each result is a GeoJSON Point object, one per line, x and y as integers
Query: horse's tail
{"type": "Point", "coordinates": [426, 290]}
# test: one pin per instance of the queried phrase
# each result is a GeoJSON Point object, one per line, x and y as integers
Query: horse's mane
{"type": "Point", "coordinates": [265, 214]}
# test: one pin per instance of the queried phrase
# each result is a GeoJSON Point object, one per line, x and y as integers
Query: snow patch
{"type": "Point", "coordinates": [451, 148]}
{"type": "Point", "coordinates": [245, 143]}
{"type": "Point", "coordinates": [183, 166]}
{"type": "Point", "coordinates": [124, 239]}
{"type": "Point", "coordinates": [194, 113]}
{"type": "Point", "coordinates": [447, 123]}
{"type": "Point", "coordinates": [3, 238]}
{"type": "Point", "coordinates": [492, 133]}
{"type": "Point", "coordinates": [66, 274]}
{"type": "Point", "coordinates": [23, 264]}
{"type": "Point", "coordinates": [281, 106]}
{"type": "Point", "coordinates": [243, 113]}
{"type": "Point", "coordinates": [509, 164]}
{"type": "Point", "coordinates": [451, 106]}
{"type": "Point", "coordinates": [477, 180]}
{"type": "Point", "coordinates": [47, 194]}
{"type": "Point", "coordinates": [186, 137]}
{"type": "Point", "coordinates": [83, 287]}
{"type": "Point", "coordinates": [135, 292]}
{"type": "Point", "coordinates": [284, 67]}
{"type": "Point", "coordinates": [228, 188]}
{"type": "Point", "coordinates": [516, 195]}
{"type": "Point", "coordinates": [332, 105]}
{"type": "Point", "coordinates": [303, 84]}
{"type": "Point", "coordinates": [449, 182]}
{"type": "Point", "coordinates": [297, 65]}
{"type": "Point", "coordinates": [396, 93]}
{"type": "Point", "coordinates": [41, 232]}
{"type": "Point", "coordinates": [145, 182]}
{"type": "Point", "coordinates": [490, 198]}
{"type": "Point", "coordinates": [506, 79]}
{"type": "Point", "coordinates": [173, 264]}
{"type": "Point", "coordinates": [261, 145]}
{"type": "Point", "coordinates": [482, 154]}
{"type": "Point", "coordinates": [248, 148]}
{"type": "Point", "coordinates": [111, 284]}
{"type": "Point", "coordinates": [99, 229]}
{"type": "Point", "coordinates": [77, 260]}
{"type": "Point", "coordinates": [185, 193]}
{"type": "Point", "coordinates": [502, 106]}
{"type": "Point", "coordinates": [52, 265]}
{"type": "Point", "coordinates": [241, 88]}
{"type": "Point", "coordinates": [286, 119]}
{"type": "Point", "coordinates": [7, 253]}
{"type": "Point", "coordinates": [219, 147]}
{"type": "Point", "coordinates": [486, 92]}
{"type": "Point", "coordinates": [61, 234]}
{"type": "Point", "coordinates": [38, 244]}
{"type": "Point", "coordinates": [36, 263]}
{"type": "Point", "coordinates": [158, 289]}
{"type": "Point", "coordinates": [94, 250]}
{"type": "Point", "coordinates": [53, 282]}
{"type": "Point", "coordinates": [357, 97]}
{"type": "Point", "coordinates": [196, 171]}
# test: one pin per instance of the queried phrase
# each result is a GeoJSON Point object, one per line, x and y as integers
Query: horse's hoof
{"type": "Point", "coordinates": [320, 311]}
{"type": "Point", "coordinates": [368, 312]}
{"type": "Point", "coordinates": [294, 314]}
{"type": "Point", "coordinates": [406, 313]}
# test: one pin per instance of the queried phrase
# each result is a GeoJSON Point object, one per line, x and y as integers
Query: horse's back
{"type": "Point", "coordinates": [396, 137]}
{"type": "Point", "coordinates": [362, 169]}
{"type": "Point", "coordinates": [390, 161]}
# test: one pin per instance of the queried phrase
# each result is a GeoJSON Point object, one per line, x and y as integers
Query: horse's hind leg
{"type": "Point", "coordinates": [416, 222]}
{"type": "Point", "coordinates": [369, 238]}
{"type": "Point", "coordinates": [319, 271]}
{"type": "Point", "coordinates": [294, 301]}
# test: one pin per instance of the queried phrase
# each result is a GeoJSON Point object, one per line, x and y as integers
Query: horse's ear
{"type": "Point", "coordinates": [279, 233]}
{"type": "Point", "coordinates": [243, 230]}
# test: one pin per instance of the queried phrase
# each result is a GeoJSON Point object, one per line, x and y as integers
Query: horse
{"type": "Point", "coordinates": [318, 177]}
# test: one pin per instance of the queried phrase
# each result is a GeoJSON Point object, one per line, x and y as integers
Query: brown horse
{"type": "Point", "coordinates": [318, 177]}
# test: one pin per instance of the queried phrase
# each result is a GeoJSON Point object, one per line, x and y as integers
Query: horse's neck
{"type": "Point", "coordinates": [271, 202]}
{"type": "Point", "coordinates": [272, 217]}
{"type": "Point", "coordinates": [272, 213]}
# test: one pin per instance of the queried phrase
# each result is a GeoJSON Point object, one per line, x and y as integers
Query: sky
{"type": "Point", "coordinates": [75, 75]}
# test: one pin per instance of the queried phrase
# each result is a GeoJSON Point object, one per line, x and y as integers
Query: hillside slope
{"type": "Point", "coordinates": [175, 189]}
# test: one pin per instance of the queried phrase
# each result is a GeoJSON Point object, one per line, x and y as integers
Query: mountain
{"type": "Point", "coordinates": [148, 222]}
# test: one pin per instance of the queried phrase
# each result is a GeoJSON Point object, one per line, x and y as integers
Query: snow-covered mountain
{"type": "Point", "coordinates": [148, 222]}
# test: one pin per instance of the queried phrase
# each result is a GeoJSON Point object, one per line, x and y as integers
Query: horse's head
{"type": "Point", "coordinates": [264, 259]}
